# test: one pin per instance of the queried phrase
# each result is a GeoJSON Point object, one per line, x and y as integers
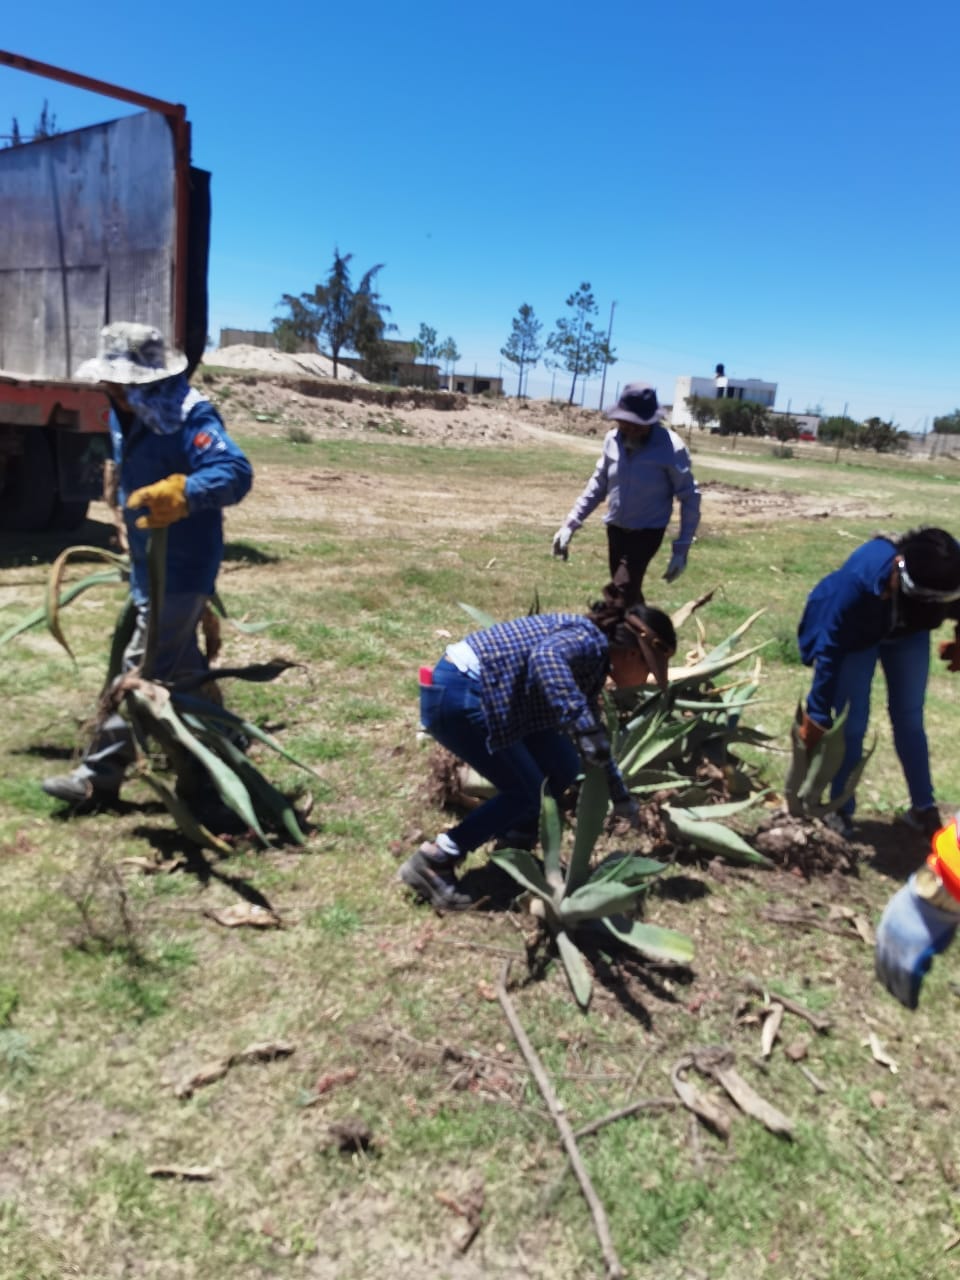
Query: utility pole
{"type": "Point", "coordinates": [603, 380]}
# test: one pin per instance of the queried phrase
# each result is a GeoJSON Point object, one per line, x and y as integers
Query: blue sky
{"type": "Point", "coordinates": [770, 186]}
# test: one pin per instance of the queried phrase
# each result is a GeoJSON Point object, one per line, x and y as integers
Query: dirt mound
{"type": "Point", "coordinates": [267, 360]}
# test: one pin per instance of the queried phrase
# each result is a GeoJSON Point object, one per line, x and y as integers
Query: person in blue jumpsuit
{"type": "Point", "coordinates": [880, 606]}
{"type": "Point", "coordinates": [642, 468]}
{"type": "Point", "coordinates": [177, 468]}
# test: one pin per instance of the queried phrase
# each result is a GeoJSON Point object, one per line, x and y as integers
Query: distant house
{"type": "Point", "coordinates": [401, 366]}
{"type": "Point", "coordinates": [258, 338]}
{"type": "Point", "coordinates": [719, 387]}
{"type": "Point", "coordinates": [472, 384]}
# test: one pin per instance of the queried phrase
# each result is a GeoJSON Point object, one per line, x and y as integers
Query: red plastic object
{"type": "Point", "coordinates": [426, 676]}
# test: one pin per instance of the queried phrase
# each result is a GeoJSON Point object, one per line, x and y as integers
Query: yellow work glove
{"type": "Point", "coordinates": [166, 500]}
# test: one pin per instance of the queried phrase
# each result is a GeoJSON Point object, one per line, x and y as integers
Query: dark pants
{"type": "Point", "coordinates": [451, 713]}
{"type": "Point", "coordinates": [637, 547]}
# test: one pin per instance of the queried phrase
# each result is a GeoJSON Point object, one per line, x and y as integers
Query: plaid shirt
{"type": "Point", "coordinates": [545, 671]}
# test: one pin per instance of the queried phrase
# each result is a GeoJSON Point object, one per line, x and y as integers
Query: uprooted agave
{"type": "Point", "coordinates": [811, 772]}
{"type": "Point", "coordinates": [198, 737]}
{"type": "Point", "coordinates": [569, 899]}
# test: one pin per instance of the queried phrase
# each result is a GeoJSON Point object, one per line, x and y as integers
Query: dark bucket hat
{"type": "Point", "coordinates": [637, 404]}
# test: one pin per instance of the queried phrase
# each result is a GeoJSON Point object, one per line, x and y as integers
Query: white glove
{"type": "Point", "coordinates": [561, 541]}
{"type": "Point", "coordinates": [678, 562]}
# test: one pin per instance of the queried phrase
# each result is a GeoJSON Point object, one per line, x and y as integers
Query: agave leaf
{"type": "Point", "coordinates": [157, 575]}
{"type": "Point", "coordinates": [122, 635]}
{"type": "Point", "coordinates": [752, 737]}
{"type": "Point", "coordinates": [575, 967]}
{"type": "Point", "coordinates": [210, 711]}
{"type": "Point", "coordinates": [257, 672]}
{"type": "Point", "coordinates": [269, 801]}
{"type": "Point", "coordinates": [798, 766]}
{"type": "Point", "coordinates": [664, 945]}
{"type": "Point", "coordinates": [598, 898]}
{"type": "Point", "coordinates": [37, 616]}
{"type": "Point", "coordinates": [534, 604]}
{"type": "Point", "coordinates": [522, 865]}
{"type": "Point", "coordinates": [181, 814]}
{"type": "Point", "coordinates": [853, 782]}
{"type": "Point", "coordinates": [158, 708]}
{"type": "Point", "coordinates": [592, 805]}
{"type": "Point", "coordinates": [655, 747]}
{"type": "Point", "coordinates": [824, 761]}
{"type": "Point", "coordinates": [643, 780]}
{"type": "Point", "coordinates": [482, 619]}
{"type": "Point", "coordinates": [685, 610]}
{"type": "Point", "coordinates": [626, 869]}
{"type": "Point", "coordinates": [714, 837]}
{"type": "Point", "coordinates": [551, 837]}
{"type": "Point", "coordinates": [723, 648]}
{"type": "Point", "coordinates": [710, 667]}
{"type": "Point", "coordinates": [52, 599]}
{"type": "Point", "coordinates": [725, 810]}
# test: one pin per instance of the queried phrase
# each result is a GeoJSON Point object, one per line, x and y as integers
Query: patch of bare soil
{"type": "Point", "coordinates": [738, 501]}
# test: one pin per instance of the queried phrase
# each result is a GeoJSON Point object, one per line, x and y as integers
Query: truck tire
{"type": "Point", "coordinates": [30, 486]}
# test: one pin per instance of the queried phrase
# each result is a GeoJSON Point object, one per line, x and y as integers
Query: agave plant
{"type": "Point", "coordinates": [197, 737]}
{"type": "Point", "coordinates": [812, 771]}
{"type": "Point", "coordinates": [570, 898]}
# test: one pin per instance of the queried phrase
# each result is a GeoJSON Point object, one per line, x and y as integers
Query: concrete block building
{"type": "Point", "coordinates": [719, 387]}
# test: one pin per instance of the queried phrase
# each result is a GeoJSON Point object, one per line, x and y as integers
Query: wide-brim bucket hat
{"type": "Point", "coordinates": [637, 404]}
{"type": "Point", "coordinates": [129, 354]}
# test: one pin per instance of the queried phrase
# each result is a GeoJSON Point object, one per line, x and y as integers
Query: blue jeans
{"type": "Point", "coordinates": [906, 663]}
{"type": "Point", "coordinates": [451, 712]}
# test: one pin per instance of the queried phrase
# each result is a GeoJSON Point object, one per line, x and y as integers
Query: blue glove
{"type": "Point", "coordinates": [678, 562]}
{"type": "Point", "coordinates": [911, 932]}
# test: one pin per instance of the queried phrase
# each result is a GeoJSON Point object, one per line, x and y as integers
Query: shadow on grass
{"type": "Point", "coordinates": [898, 850]}
{"type": "Point", "coordinates": [17, 549]}
{"type": "Point", "coordinates": [244, 553]}
{"type": "Point", "coordinates": [171, 844]}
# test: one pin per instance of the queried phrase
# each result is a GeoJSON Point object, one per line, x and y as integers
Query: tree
{"type": "Point", "coordinates": [45, 127]}
{"type": "Point", "coordinates": [703, 409]}
{"type": "Point", "coordinates": [785, 427]}
{"type": "Point", "coordinates": [449, 354]}
{"type": "Point", "coordinates": [349, 319]}
{"type": "Point", "coordinates": [883, 437]}
{"type": "Point", "coordinates": [948, 424]}
{"type": "Point", "coordinates": [840, 431]}
{"type": "Point", "coordinates": [575, 345]}
{"type": "Point", "coordinates": [741, 418]}
{"type": "Point", "coordinates": [425, 347]}
{"type": "Point", "coordinates": [523, 347]}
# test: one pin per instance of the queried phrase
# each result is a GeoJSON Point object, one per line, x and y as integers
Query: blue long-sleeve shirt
{"type": "Point", "coordinates": [545, 671]}
{"type": "Point", "coordinates": [640, 484]}
{"type": "Point", "coordinates": [218, 475]}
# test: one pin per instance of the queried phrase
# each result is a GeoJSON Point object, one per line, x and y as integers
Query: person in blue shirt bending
{"type": "Point", "coordinates": [880, 606]}
{"type": "Point", "coordinates": [642, 467]}
{"type": "Point", "coordinates": [177, 467]}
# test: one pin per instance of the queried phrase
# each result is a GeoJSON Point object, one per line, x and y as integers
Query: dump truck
{"type": "Point", "coordinates": [109, 222]}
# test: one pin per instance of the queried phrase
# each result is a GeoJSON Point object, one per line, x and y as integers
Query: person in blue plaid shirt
{"type": "Point", "coordinates": [519, 702]}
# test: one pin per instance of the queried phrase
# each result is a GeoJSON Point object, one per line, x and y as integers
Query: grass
{"type": "Point", "coordinates": [363, 577]}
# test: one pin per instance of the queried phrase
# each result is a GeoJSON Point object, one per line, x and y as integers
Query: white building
{"type": "Point", "coordinates": [718, 387]}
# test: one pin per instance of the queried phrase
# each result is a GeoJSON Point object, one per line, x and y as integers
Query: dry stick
{"type": "Point", "coordinates": [601, 1226]}
{"type": "Point", "coordinates": [792, 1006]}
{"type": "Point", "coordinates": [645, 1104]}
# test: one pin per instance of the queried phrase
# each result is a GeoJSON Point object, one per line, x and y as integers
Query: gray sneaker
{"type": "Point", "coordinates": [79, 788]}
{"type": "Point", "coordinates": [430, 874]}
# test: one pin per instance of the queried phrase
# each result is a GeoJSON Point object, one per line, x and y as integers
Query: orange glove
{"type": "Point", "coordinates": [166, 500]}
{"type": "Point", "coordinates": [810, 732]}
{"type": "Point", "coordinates": [950, 651]}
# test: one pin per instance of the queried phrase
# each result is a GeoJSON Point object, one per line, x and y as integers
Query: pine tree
{"type": "Point", "coordinates": [523, 346]}
{"type": "Point", "coordinates": [575, 345]}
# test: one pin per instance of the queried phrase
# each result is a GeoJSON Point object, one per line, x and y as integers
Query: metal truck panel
{"type": "Point", "coordinates": [90, 236]}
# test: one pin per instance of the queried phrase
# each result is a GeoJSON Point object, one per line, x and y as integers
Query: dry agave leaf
{"type": "Point", "coordinates": [212, 1072]}
{"type": "Point", "coordinates": [704, 1108]}
{"type": "Point", "coordinates": [879, 1053]}
{"type": "Point", "coordinates": [250, 914]}
{"type": "Point", "coordinates": [771, 1029]}
{"type": "Point", "coordinates": [747, 1098]}
{"type": "Point", "coordinates": [182, 1173]}
{"type": "Point", "coordinates": [864, 929]}
{"type": "Point", "coordinates": [264, 1051]}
